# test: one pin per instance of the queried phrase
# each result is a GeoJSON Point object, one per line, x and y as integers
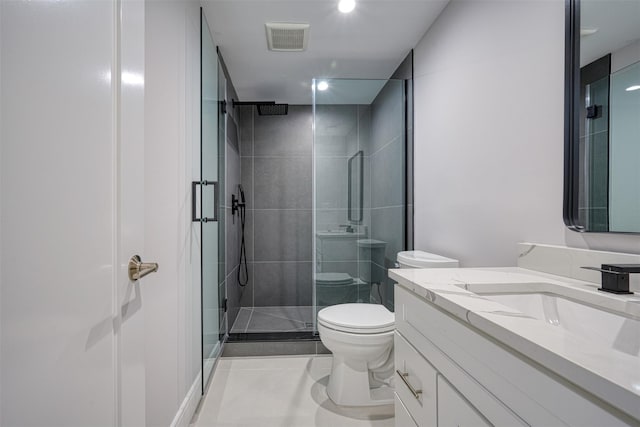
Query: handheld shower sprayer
{"type": "Point", "coordinates": [238, 204]}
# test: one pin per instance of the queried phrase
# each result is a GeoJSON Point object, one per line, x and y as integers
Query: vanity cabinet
{"type": "Point", "coordinates": [450, 374]}
{"type": "Point", "coordinates": [415, 383]}
{"type": "Point", "coordinates": [403, 418]}
{"type": "Point", "coordinates": [454, 410]}
{"type": "Point", "coordinates": [430, 400]}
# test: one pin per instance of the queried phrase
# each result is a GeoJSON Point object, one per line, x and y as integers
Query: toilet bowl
{"type": "Point", "coordinates": [360, 336]}
{"type": "Point", "coordinates": [340, 288]}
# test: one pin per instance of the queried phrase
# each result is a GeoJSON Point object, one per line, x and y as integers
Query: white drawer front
{"type": "Point", "coordinates": [454, 410]}
{"type": "Point", "coordinates": [402, 418]}
{"type": "Point", "coordinates": [415, 382]}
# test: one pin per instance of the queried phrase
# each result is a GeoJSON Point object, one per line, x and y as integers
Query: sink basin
{"type": "Point", "coordinates": [615, 330]}
{"type": "Point", "coordinates": [339, 234]}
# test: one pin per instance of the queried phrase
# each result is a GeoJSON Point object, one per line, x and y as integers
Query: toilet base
{"type": "Point", "coordinates": [349, 385]}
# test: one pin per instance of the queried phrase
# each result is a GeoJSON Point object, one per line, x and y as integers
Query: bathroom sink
{"type": "Point", "coordinates": [616, 326]}
{"type": "Point", "coordinates": [589, 338]}
{"type": "Point", "coordinates": [339, 234]}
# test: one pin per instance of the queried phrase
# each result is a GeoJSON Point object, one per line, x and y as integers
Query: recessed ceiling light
{"type": "Point", "coordinates": [346, 6]}
{"type": "Point", "coordinates": [632, 88]}
{"type": "Point", "coordinates": [322, 85]}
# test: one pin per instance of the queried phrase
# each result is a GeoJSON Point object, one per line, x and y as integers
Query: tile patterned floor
{"type": "Point", "coordinates": [279, 391]}
{"type": "Point", "coordinates": [274, 319]}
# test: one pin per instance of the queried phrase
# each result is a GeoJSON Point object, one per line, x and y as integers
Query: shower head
{"type": "Point", "coordinates": [273, 109]}
{"type": "Point", "coordinates": [266, 108]}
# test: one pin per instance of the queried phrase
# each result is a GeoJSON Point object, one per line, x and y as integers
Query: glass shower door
{"type": "Point", "coordinates": [210, 191]}
{"type": "Point", "coordinates": [360, 197]}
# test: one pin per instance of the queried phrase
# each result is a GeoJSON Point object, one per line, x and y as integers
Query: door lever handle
{"type": "Point", "coordinates": [139, 269]}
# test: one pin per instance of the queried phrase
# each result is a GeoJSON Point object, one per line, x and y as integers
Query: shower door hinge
{"type": "Point", "coordinates": [224, 305]}
{"type": "Point", "coordinates": [223, 106]}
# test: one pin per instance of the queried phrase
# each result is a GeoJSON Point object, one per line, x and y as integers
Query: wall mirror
{"type": "Point", "coordinates": [355, 193]}
{"type": "Point", "coordinates": [602, 116]}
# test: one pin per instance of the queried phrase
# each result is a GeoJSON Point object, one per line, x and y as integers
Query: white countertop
{"type": "Point", "coordinates": [611, 375]}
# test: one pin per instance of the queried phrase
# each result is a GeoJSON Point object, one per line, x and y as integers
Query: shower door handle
{"type": "Point", "coordinates": [194, 215]}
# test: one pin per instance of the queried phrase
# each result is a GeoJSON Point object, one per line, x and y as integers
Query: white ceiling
{"type": "Point", "coordinates": [368, 43]}
{"type": "Point", "coordinates": [350, 92]}
{"type": "Point", "coordinates": [617, 22]}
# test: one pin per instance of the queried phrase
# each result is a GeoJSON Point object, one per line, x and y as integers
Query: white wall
{"type": "Point", "coordinates": [489, 93]}
{"type": "Point", "coordinates": [0, 214]}
{"type": "Point", "coordinates": [172, 126]}
{"type": "Point", "coordinates": [624, 57]}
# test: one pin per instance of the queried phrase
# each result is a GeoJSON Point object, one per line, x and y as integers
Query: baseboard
{"type": "Point", "coordinates": [189, 405]}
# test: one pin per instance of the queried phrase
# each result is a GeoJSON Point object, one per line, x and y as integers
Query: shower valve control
{"type": "Point", "coordinates": [236, 204]}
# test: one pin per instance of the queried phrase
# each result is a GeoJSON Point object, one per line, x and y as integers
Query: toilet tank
{"type": "Point", "coordinates": [372, 252]}
{"type": "Point", "coordinates": [421, 259]}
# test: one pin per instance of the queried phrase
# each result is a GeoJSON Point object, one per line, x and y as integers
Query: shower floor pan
{"type": "Point", "coordinates": [273, 319]}
{"type": "Point", "coordinates": [273, 323]}
{"type": "Point", "coordinates": [266, 331]}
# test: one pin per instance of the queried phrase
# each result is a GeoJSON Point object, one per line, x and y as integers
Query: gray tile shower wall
{"type": "Point", "coordinates": [388, 211]}
{"type": "Point", "coordinates": [232, 225]}
{"type": "Point", "coordinates": [341, 132]}
{"type": "Point", "coordinates": [276, 163]}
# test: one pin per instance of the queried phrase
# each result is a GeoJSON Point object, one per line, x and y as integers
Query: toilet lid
{"type": "Point", "coordinates": [333, 279]}
{"type": "Point", "coordinates": [357, 318]}
{"type": "Point", "coordinates": [421, 259]}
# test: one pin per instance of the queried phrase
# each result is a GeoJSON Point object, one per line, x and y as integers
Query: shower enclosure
{"type": "Point", "coordinates": [207, 212]}
{"type": "Point", "coordinates": [360, 202]}
{"type": "Point", "coordinates": [326, 202]}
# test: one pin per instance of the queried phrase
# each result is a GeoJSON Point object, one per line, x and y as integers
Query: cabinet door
{"type": "Point", "coordinates": [403, 418]}
{"type": "Point", "coordinates": [415, 382]}
{"type": "Point", "coordinates": [454, 410]}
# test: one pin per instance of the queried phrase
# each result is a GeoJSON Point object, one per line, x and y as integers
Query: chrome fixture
{"type": "Point", "coordinates": [404, 376]}
{"type": "Point", "coordinates": [139, 269]}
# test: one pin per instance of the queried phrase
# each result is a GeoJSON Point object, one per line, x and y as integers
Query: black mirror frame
{"type": "Point", "coordinates": [571, 121]}
{"type": "Point", "coordinates": [354, 215]}
{"type": "Point", "coordinates": [571, 115]}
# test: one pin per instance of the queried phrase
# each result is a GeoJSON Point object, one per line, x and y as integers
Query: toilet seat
{"type": "Point", "coordinates": [333, 279]}
{"type": "Point", "coordinates": [357, 318]}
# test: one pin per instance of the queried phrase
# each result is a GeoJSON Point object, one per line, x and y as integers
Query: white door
{"type": "Point", "coordinates": [71, 212]}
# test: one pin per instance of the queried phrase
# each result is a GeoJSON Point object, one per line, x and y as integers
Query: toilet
{"type": "Point", "coordinates": [360, 336]}
{"type": "Point", "coordinates": [340, 288]}
{"type": "Point", "coordinates": [421, 259]}
{"type": "Point", "coordinates": [335, 288]}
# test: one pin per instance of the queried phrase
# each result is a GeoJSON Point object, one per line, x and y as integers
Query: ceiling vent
{"type": "Point", "coordinates": [285, 37]}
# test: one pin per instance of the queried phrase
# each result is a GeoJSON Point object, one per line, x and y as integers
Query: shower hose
{"type": "Point", "coordinates": [243, 279]}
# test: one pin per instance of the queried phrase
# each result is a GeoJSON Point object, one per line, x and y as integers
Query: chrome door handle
{"type": "Point", "coordinates": [404, 376]}
{"type": "Point", "coordinates": [139, 269]}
